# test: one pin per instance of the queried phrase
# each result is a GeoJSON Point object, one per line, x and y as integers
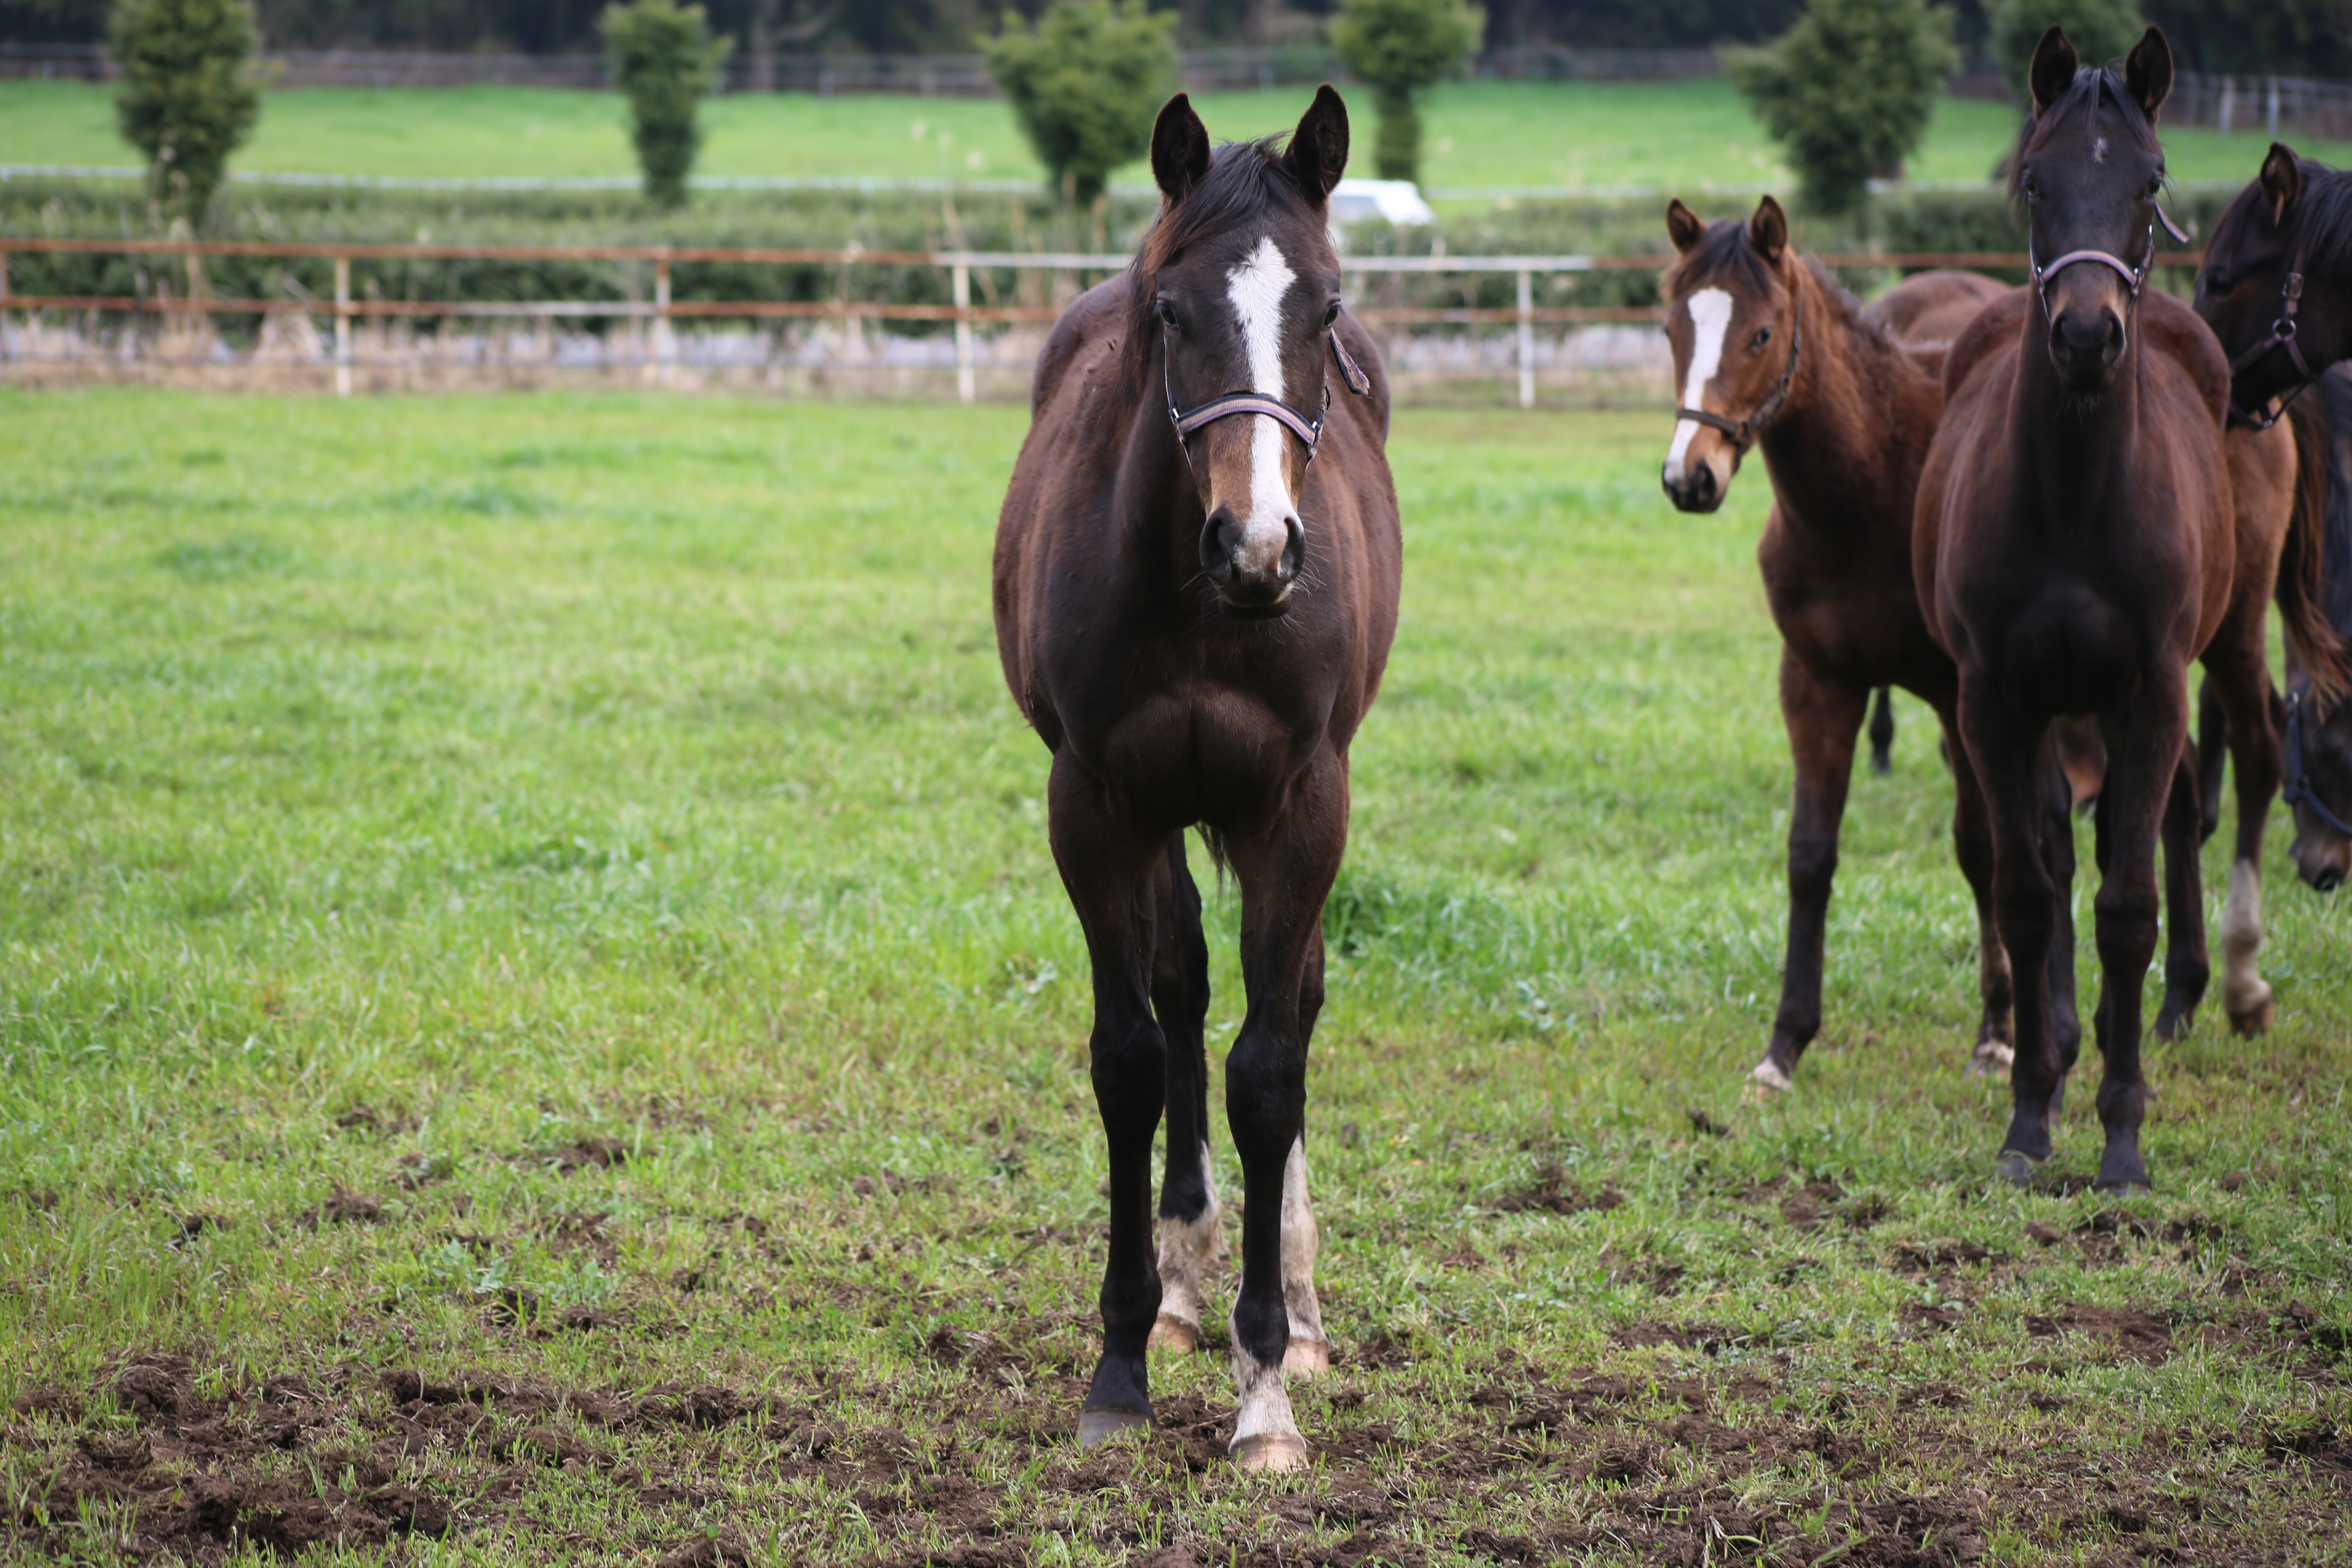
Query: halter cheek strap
{"type": "Point", "coordinates": [1743, 432]}
{"type": "Point", "coordinates": [2298, 790]}
{"type": "Point", "coordinates": [2281, 336]}
{"type": "Point", "coordinates": [1308, 431]}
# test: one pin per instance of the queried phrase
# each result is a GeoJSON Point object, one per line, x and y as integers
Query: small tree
{"type": "Point", "coordinates": [1848, 91]}
{"type": "Point", "coordinates": [185, 102]}
{"type": "Point", "coordinates": [1400, 47]}
{"type": "Point", "coordinates": [663, 58]}
{"type": "Point", "coordinates": [2100, 30]}
{"type": "Point", "coordinates": [1084, 81]}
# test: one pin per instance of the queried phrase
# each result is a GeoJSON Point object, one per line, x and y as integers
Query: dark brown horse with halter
{"type": "Point", "coordinates": [2081, 535]}
{"type": "Point", "coordinates": [2276, 289]}
{"type": "Point", "coordinates": [1842, 400]}
{"type": "Point", "coordinates": [1195, 589]}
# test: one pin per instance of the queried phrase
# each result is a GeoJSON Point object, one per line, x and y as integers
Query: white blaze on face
{"type": "Point", "coordinates": [1710, 314]}
{"type": "Point", "coordinates": [1257, 288]}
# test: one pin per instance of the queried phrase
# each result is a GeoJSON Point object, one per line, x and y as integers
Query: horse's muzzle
{"type": "Point", "coordinates": [2321, 858]}
{"type": "Point", "coordinates": [2086, 347]}
{"type": "Point", "coordinates": [1694, 490]}
{"type": "Point", "coordinates": [1253, 581]}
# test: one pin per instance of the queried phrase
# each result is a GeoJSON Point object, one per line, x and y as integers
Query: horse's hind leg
{"type": "Point", "coordinates": [1114, 880]}
{"type": "Point", "coordinates": [2212, 750]}
{"type": "Point", "coordinates": [1972, 847]}
{"type": "Point", "coordinates": [2251, 709]}
{"type": "Point", "coordinates": [1882, 732]}
{"type": "Point", "coordinates": [1285, 875]}
{"type": "Point", "coordinates": [1822, 720]}
{"type": "Point", "coordinates": [1192, 1234]}
{"type": "Point", "coordinates": [1309, 1350]}
{"type": "Point", "coordinates": [2188, 968]}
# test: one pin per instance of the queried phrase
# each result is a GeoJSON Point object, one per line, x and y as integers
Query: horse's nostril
{"type": "Point", "coordinates": [1294, 550]}
{"type": "Point", "coordinates": [2329, 880]}
{"type": "Point", "coordinates": [1702, 484]}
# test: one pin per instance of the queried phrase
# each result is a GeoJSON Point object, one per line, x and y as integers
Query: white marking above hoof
{"type": "Point", "coordinates": [1306, 1358]}
{"type": "Point", "coordinates": [1174, 1335]}
{"type": "Point", "coordinates": [1990, 1057]}
{"type": "Point", "coordinates": [1097, 1428]}
{"type": "Point", "coordinates": [1770, 1077]}
{"type": "Point", "coordinates": [1269, 1453]}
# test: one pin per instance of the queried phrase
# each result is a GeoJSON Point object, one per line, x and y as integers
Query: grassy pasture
{"type": "Point", "coordinates": [537, 1022]}
{"type": "Point", "coordinates": [1680, 135]}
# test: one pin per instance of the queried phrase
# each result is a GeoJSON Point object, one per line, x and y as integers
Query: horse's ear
{"type": "Point", "coordinates": [1179, 147]}
{"type": "Point", "coordinates": [2053, 68]}
{"type": "Point", "coordinates": [1683, 225]}
{"type": "Point", "coordinates": [2282, 182]}
{"type": "Point", "coordinates": [1318, 148]}
{"type": "Point", "coordinates": [2148, 71]}
{"type": "Point", "coordinates": [1767, 231]}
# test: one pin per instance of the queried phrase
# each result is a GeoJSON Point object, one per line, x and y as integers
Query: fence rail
{"type": "Point", "coordinates": [662, 310]}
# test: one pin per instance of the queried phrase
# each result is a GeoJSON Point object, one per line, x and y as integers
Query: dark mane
{"type": "Point", "coordinates": [2323, 217]}
{"type": "Point", "coordinates": [2092, 88]}
{"type": "Point", "coordinates": [1245, 179]}
{"type": "Point", "coordinates": [1723, 248]}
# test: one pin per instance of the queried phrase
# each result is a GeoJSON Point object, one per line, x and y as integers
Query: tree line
{"type": "Point", "coordinates": [2290, 37]}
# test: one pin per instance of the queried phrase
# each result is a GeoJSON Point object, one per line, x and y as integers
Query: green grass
{"type": "Point", "coordinates": [1681, 135]}
{"type": "Point", "coordinates": [584, 847]}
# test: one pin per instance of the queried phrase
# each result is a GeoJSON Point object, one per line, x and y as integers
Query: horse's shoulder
{"type": "Point", "coordinates": [2178, 332]}
{"type": "Point", "coordinates": [1987, 334]}
{"type": "Point", "coordinates": [1094, 322]}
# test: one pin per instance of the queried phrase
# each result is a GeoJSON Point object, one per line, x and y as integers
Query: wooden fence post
{"type": "Point", "coordinates": [343, 326]}
{"type": "Point", "coordinates": [664, 346]}
{"type": "Point", "coordinates": [967, 388]}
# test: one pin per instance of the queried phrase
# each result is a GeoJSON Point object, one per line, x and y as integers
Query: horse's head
{"type": "Point", "coordinates": [2280, 236]}
{"type": "Point", "coordinates": [1732, 316]}
{"type": "Point", "coordinates": [2088, 171]}
{"type": "Point", "coordinates": [1239, 283]}
{"type": "Point", "coordinates": [2318, 757]}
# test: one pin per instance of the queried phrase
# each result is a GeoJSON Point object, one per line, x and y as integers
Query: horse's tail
{"type": "Point", "coordinates": [2301, 592]}
{"type": "Point", "coordinates": [1216, 841]}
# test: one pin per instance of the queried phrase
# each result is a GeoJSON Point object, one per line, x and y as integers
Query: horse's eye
{"type": "Point", "coordinates": [1332, 313]}
{"type": "Point", "coordinates": [1763, 336]}
{"type": "Point", "coordinates": [2031, 188]}
{"type": "Point", "coordinates": [1165, 312]}
{"type": "Point", "coordinates": [2155, 185]}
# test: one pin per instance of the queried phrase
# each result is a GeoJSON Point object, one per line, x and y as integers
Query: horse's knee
{"type": "Point", "coordinates": [1129, 1068]}
{"type": "Point", "coordinates": [1812, 867]}
{"type": "Point", "coordinates": [1265, 1093]}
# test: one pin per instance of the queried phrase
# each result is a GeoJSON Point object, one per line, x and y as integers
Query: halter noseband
{"type": "Point", "coordinates": [1308, 431]}
{"type": "Point", "coordinates": [1743, 432]}
{"type": "Point", "coordinates": [2298, 790]}
{"type": "Point", "coordinates": [2133, 277]}
{"type": "Point", "coordinates": [2281, 336]}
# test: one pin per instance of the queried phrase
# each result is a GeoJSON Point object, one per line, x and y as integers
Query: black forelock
{"type": "Point", "coordinates": [1723, 248]}
{"type": "Point", "coordinates": [2322, 220]}
{"type": "Point", "coordinates": [2092, 88]}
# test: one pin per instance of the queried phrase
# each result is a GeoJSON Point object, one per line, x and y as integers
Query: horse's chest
{"type": "Point", "coordinates": [1205, 754]}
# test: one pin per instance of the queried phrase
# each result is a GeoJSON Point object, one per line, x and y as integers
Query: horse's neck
{"type": "Point", "coordinates": [2078, 452]}
{"type": "Point", "coordinates": [1160, 506]}
{"type": "Point", "coordinates": [1838, 453]}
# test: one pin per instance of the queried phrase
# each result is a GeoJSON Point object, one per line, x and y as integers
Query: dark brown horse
{"type": "Point", "coordinates": [2078, 543]}
{"type": "Point", "coordinates": [1843, 401]}
{"type": "Point", "coordinates": [1194, 617]}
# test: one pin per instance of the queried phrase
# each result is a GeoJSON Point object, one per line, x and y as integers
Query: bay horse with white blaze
{"type": "Point", "coordinates": [1842, 400]}
{"type": "Point", "coordinates": [1196, 583]}
{"type": "Point", "coordinates": [2079, 541]}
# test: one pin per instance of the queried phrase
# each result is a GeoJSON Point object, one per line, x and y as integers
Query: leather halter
{"type": "Point", "coordinates": [1308, 431]}
{"type": "Point", "coordinates": [2133, 277]}
{"type": "Point", "coordinates": [1743, 432]}
{"type": "Point", "coordinates": [2298, 790]}
{"type": "Point", "coordinates": [2281, 336]}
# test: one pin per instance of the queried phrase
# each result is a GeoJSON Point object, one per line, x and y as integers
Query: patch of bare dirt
{"type": "Point", "coordinates": [1553, 1192]}
{"type": "Point", "coordinates": [2135, 1335]}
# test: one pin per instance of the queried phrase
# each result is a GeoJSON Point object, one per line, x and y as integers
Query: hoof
{"type": "Point", "coordinates": [1989, 1058]}
{"type": "Point", "coordinates": [2255, 1020]}
{"type": "Point", "coordinates": [1173, 1334]}
{"type": "Point", "coordinates": [1270, 1453]}
{"type": "Point", "coordinates": [2174, 1022]}
{"type": "Point", "coordinates": [1768, 1079]}
{"type": "Point", "coordinates": [1306, 1358]}
{"type": "Point", "coordinates": [1097, 1428]}
{"type": "Point", "coordinates": [2016, 1168]}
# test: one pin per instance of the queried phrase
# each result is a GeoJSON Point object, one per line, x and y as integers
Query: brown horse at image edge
{"type": "Point", "coordinates": [1196, 580]}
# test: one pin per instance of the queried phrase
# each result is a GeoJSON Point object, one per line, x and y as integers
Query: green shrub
{"type": "Point", "coordinates": [662, 59]}
{"type": "Point", "coordinates": [1848, 90]}
{"type": "Point", "coordinates": [2101, 30]}
{"type": "Point", "coordinates": [1400, 47]}
{"type": "Point", "coordinates": [185, 102]}
{"type": "Point", "coordinates": [1085, 82]}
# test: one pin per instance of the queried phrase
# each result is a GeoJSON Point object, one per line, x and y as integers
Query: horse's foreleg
{"type": "Point", "coordinates": [2058, 860]}
{"type": "Point", "coordinates": [1284, 875]}
{"type": "Point", "coordinates": [1192, 1231]}
{"type": "Point", "coordinates": [1309, 1350]}
{"type": "Point", "coordinates": [1882, 732]}
{"type": "Point", "coordinates": [1822, 720]}
{"type": "Point", "coordinates": [2150, 761]}
{"type": "Point", "coordinates": [1114, 880]}
{"type": "Point", "coordinates": [2188, 968]}
{"type": "Point", "coordinates": [1972, 847]}
{"type": "Point", "coordinates": [2009, 760]}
